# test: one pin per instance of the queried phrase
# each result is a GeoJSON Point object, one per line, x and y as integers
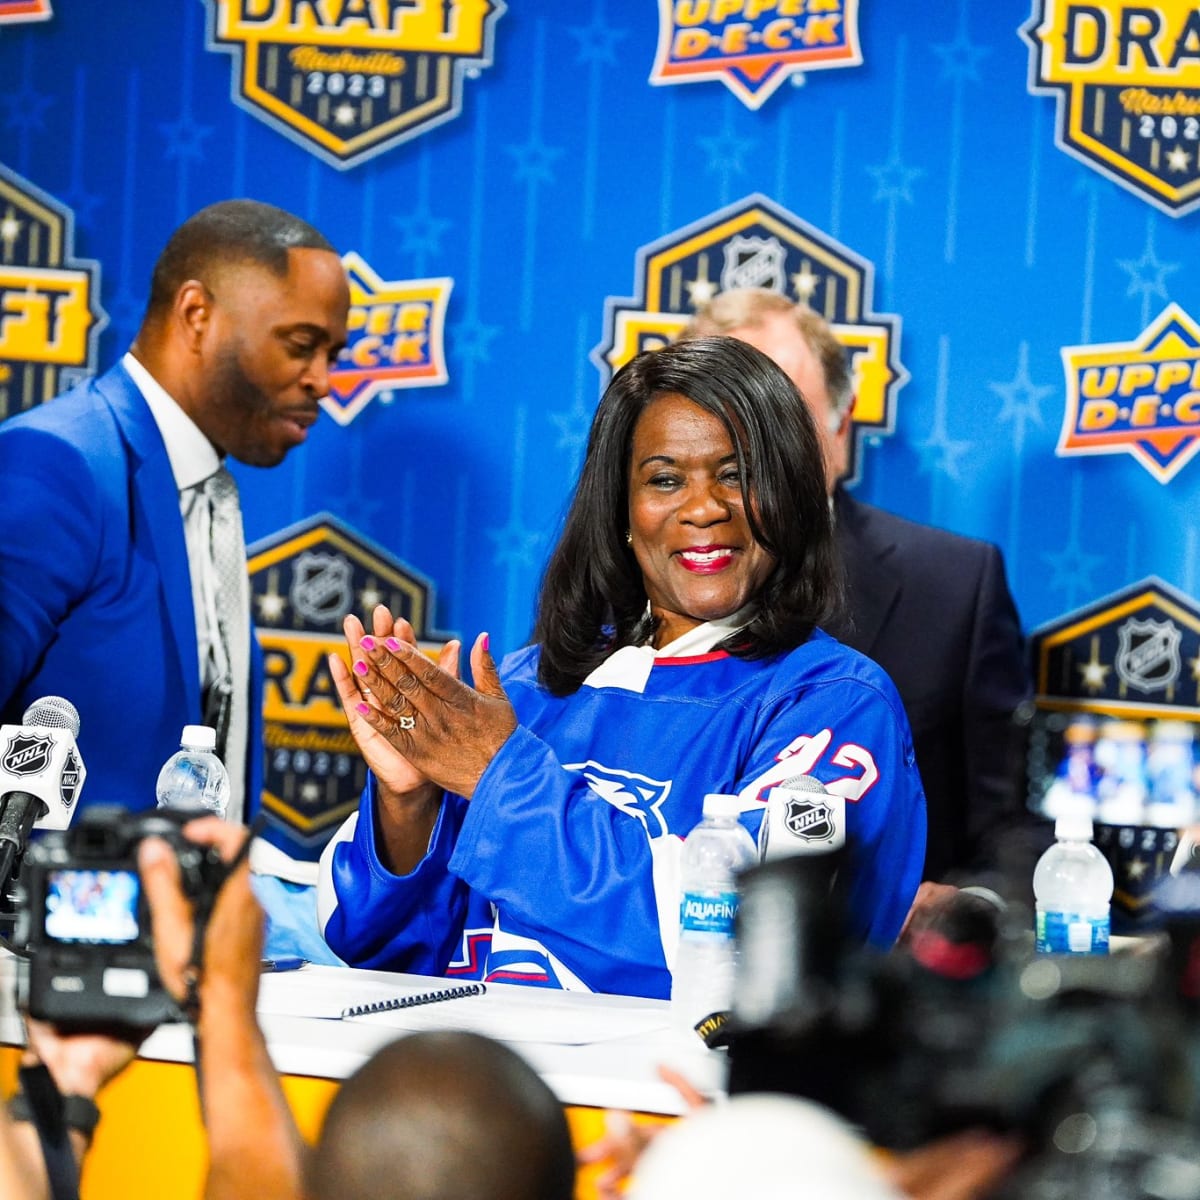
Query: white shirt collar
{"type": "Point", "coordinates": [630, 667]}
{"type": "Point", "coordinates": [193, 457]}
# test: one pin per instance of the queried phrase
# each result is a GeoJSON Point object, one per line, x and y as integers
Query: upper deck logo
{"type": "Point", "coordinates": [1140, 397]}
{"type": "Point", "coordinates": [50, 314]}
{"type": "Point", "coordinates": [349, 78]}
{"type": "Point", "coordinates": [396, 339]}
{"type": "Point", "coordinates": [752, 46]}
{"type": "Point", "coordinates": [1127, 77]}
{"type": "Point", "coordinates": [15, 12]}
{"type": "Point", "coordinates": [757, 243]}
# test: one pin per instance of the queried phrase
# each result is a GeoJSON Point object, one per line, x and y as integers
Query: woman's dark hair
{"type": "Point", "coordinates": [593, 600]}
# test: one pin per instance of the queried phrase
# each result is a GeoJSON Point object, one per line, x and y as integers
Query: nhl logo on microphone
{"type": "Point", "coordinates": [27, 754]}
{"type": "Point", "coordinates": [811, 820]}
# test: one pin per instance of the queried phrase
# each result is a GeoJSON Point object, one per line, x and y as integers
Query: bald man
{"type": "Point", "coordinates": [443, 1116]}
{"type": "Point", "coordinates": [932, 608]}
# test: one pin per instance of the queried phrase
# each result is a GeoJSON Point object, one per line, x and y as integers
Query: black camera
{"type": "Point", "coordinates": [83, 920]}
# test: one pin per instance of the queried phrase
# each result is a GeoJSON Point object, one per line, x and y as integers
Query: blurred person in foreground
{"type": "Point", "coordinates": [529, 829]}
{"type": "Point", "coordinates": [933, 608]}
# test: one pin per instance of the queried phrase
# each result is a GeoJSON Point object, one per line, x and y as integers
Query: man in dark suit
{"type": "Point", "coordinates": [108, 594]}
{"type": "Point", "coordinates": [931, 607]}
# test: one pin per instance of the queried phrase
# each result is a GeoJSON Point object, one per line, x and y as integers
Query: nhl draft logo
{"type": "Point", "coordinates": [1133, 654]}
{"type": "Point", "coordinates": [348, 79]}
{"type": "Point", "coordinates": [1127, 79]}
{"type": "Point", "coordinates": [757, 243]}
{"type": "Point", "coordinates": [1140, 397]}
{"type": "Point", "coordinates": [27, 754]}
{"type": "Point", "coordinates": [396, 339]}
{"type": "Point", "coordinates": [303, 581]}
{"type": "Point", "coordinates": [50, 315]}
{"type": "Point", "coordinates": [17, 11]}
{"type": "Point", "coordinates": [752, 46]}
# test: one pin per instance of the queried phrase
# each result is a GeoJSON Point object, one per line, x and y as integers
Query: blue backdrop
{"type": "Point", "coordinates": [932, 160]}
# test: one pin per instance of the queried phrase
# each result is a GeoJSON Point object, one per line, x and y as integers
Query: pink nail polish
{"type": "Point", "coordinates": [360, 667]}
{"type": "Point", "coordinates": [392, 644]}
{"type": "Point", "coordinates": [365, 709]}
{"type": "Point", "coordinates": [487, 637]}
{"type": "Point", "coordinates": [367, 643]}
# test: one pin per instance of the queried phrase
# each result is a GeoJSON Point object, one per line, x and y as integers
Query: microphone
{"type": "Point", "coordinates": [802, 817]}
{"type": "Point", "coordinates": [41, 776]}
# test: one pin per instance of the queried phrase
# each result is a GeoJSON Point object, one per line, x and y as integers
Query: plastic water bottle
{"type": "Point", "coordinates": [705, 959]}
{"type": "Point", "coordinates": [194, 778]}
{"type": "Point", "coordinates": [1073, 887]}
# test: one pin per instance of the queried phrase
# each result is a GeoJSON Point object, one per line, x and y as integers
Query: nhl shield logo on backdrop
{"type": "Point", "coordinates": [396, 334]}
{"type": "Point", "coordinates": [50, 314]}
{"type": "Point", "coordinates": [304, 580]}
{"type": "Point", "coordinates": [758, 243]}
{"type": "Point", "coordinates": [1133, 654]}
{"type": "Point", "coordinates": [1127, 78]}
{"type": "Point", "coordinates": [752, 46]}
{"type": "Point", "coordinates": [1140, 397]}
{"type": "Point", "coordinates": [347, 79]}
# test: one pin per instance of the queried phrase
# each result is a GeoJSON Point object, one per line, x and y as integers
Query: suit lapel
{"type": "Point", "coordinates": [157, 524]}
{"type": "Point", "coordinates": [871, 576]}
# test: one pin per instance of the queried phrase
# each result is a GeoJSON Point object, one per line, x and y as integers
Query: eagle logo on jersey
{"type": "Point", "coordinates": [635, 795]}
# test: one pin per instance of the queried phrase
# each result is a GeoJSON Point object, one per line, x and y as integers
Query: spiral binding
{"type": "Point", "coordinates": [454, 993]}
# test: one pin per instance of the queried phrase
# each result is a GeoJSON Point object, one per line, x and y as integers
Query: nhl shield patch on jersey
{"type": "Point", "coordinates": [802, 818]}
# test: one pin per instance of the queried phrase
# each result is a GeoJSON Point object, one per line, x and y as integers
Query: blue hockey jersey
{"type": "Point", "coordinates": [563, 869]}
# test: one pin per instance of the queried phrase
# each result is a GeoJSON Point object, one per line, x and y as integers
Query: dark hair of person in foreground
{"type": "Point", "coordinates": [442, 1116]}
{"type": "Point", "coordinates": [593, 600]}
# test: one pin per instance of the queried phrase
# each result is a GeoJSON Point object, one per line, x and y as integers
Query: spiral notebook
{"type": "Point", "coordinates": [413, 1000]}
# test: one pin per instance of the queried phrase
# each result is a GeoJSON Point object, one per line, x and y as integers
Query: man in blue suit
{"type": "Point", "coordinates": [931, 607]}
{"type": "Point", "coordinates": [106, 583]}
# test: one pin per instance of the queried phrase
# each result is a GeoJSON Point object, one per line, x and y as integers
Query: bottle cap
{"type": "Point", "coordinates": [721, 804]}
{"type": "Point", "coordinates": [1073, 826]}
{"type": "Point", "coordinates": [199, 737]}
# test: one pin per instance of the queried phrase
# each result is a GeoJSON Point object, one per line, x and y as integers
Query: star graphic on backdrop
{"type": "Point", "coordinates": [940, 455]}
{"type": "Point", "coordinates": [1072, 569]}
{"type": "Point", "coordinates": [26, 109]}
{"type": "Point", "coordinates": [185, 138]}
{"type": "Point", "coordinates": [597, 41]}
{"type": "Point", "coordinates": [370, 597]}
{"type": "Point", "coordinates": [806, 282]}
{"type": "Point", "coordinates": [1093, 673]}
{"type": "Point", "coordinates": [961, 58]}
{"type": "Point", "coordinates": [310, 792]}
{"type": "Point", "coordinates": [421, 232]}
{"type": "Point", "coordinates": [1148, 274]}
{"type": "Point", "coordinates": [471, 339]}
{"type": "Point", "coordinates": [893, 180]}
{"type": "Point", "coordinates": [1136, 868]}
{"type": "Point", "coordinates": [572, 425]}
{"type": "Point", "coordinates": [534, 159]}
{"type": "Point", "coordinates": [10, 230]}
{"type": "Point", "coordinates": [345, 114]}
{"type": "Point", "coordinates": [516, 544]}
{"type": "Point", "coordinates": [271, 605]}
{"type": "Point", "coordinates": [83, 204]}
{"type": "Point", "coordinates": [725, 150]}
{"type": "Point", "coordinates": [1020, 394]}
{"type": "Point", "coordinates": [700, 291]}
{"type": "Point", "coordinates": [1178, 159]}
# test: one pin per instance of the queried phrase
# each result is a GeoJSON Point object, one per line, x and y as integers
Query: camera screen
{"type": "Point", "coordinates": [92, 905]}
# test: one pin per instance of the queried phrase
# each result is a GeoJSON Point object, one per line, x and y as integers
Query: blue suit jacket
{"type": "Point", "coordinates": [934, 610]}
{"type": "Point", "coordinates": [95, 592]}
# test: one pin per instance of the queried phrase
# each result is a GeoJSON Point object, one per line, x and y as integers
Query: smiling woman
{"type": "Point", "coordinates": [528, 829]}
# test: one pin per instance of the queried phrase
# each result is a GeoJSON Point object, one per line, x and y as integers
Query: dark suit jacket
{"type": "Point", "coordinates": [934, 610]}
{"type": "Point", "coordinates": [95, 592]}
